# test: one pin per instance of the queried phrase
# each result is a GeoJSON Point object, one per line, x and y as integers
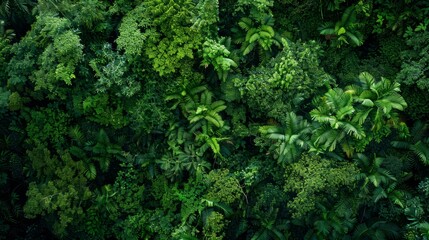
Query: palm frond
{"type": "Point", "coordinates": [355, 37]}
{"type": "Point", "coordinates": [360, 231]}
{"type": "Point", "coordinates": [344, 111]}
{"type": "Point", "coordinates": [354, 130]}
{"type": "Point", "coordinates": [245, 23]}
{"type": "Point", "coordinates": [349, 16]}
{"type": "Point", "coordinates": [361, 116]}
{"type": "Point", "coordinates": [218, 106]}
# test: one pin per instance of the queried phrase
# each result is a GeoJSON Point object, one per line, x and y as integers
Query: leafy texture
{"type": "Point", "coordinates": [316, 180]}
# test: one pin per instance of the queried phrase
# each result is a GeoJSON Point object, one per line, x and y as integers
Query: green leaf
{"type": "Point", "coordinates": [254, 38]}
{"type": "Point", "coordinates": [245, 23]}
{"type": "Point", "coordinates": [268, 29]}
{"type": "Point", "coordinates": [344, 111]}
{"type": "Point", "coordinates": [218, 106]}
{"type": "Point", "coordinates": [248, 48]}
{"type": "Point", "coordinates": [421, 149]}
{"type": "Point", "coordinates": [361, 116]}
{"type": "Point", "coordinates": [368, 103]}
{"type": "Point", "coordinates": [215, 120]}
{"type": "Point", "coordinates": [355, 39]}
{"type": "Point", "coordinates": [91, 172]}
{"type": "Point", "coordinates": [341, 31]}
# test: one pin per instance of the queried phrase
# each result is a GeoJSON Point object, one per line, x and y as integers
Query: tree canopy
{"type": "Point", "coordinates": [207, 119]}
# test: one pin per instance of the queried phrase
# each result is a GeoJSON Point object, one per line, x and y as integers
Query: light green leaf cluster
{"type": "Point", "coordinates": [131, 38]}
{"type": "Point", "coordinates": [223, 187]}
{"type": "Point", "coordinates": [61, 196]}
{"type": "Point", "coordinates": [207, 15]}
{"type": "Point", "coordinates": [60, 51]}
{"type": "Point", "coordinates": [353, 118]}
{"type": "Point", "coordinates": [48, 127]}
{"type": "Point", "coordinates": [216, 54]}
{"type": "Point", "coordinates": [113, 72]}
{"type": "Point", "coordinates": [284, 82]}
{"type": "Point", "coordinates": [297, 67]}
{"type": "Point", "coordinates": [163, 31]}
{"type": "Point", "coordinates": [215, 227]}
{"type": "Point", "coordinates": [415, 67]}
{"type": "Point", "coordinates": [316, 180]}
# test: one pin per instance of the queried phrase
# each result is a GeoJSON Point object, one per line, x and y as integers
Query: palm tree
{"type": "Point", "coordinates": [335, 115]}
{"type": "Point", "coordinates": [372, 171]}
{"type": "Point", "coordinates": [271, 225]}
{"type": "Point", "coordinates": [205, 113]}
{"type": "Point", "coordinates": [343, 30]}
{"type": "Point", "coordinates": [16, 13]}
{"type": "Point", "coordinates": [218, 55]}
{"type": "Point", "coordinates": [378, 100]}
{"type": "Point", "coordinates": [8, 7]}
{"type": "Point", "coordinates": [356, 116]}
{"type": "Point", "coordinates": [183, 158]}
{"type": "Point", "coordinates": [291, 138]}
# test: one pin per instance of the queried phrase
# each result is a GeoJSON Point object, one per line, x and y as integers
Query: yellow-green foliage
{"type": "Point", "coordinates": [314, 180]}
{"type": "Point", "coordinates": [47, 127]}
{"type": "Point", "coordinates": [223, 187]}
{"type": "Point", "coordinates": [62, 195]}
{"type": "Point", "coordinates": [15, 101]}
{"type": "Point", "coordinates": [214, 229]}
{"type": "Point", "coordinates": [142, 119]}
{"type": "Point", "coordinates": [273, 89]}
{"type": "Point", "coordinates": [163, 31]}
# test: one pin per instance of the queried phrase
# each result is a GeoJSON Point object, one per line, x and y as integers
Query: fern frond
{"type": "Point", "coordinates": [90, 171]}
{"type": "Point", "coordinates": [206, 98]}
{"type": "Point", "coordinates": [261, 235]}
{"type": "Point", "coordinates": [270, 129]}
{"type": "Point", "coordinates": [366, 79]}
{"type": "Point", "coordinates": [76, 134]}
{"type": "Point", "coordinates": [361, 116]}
{"type": "Point", "coordinates": [421, 149]}
{"type": "Point", "coordinates": [378, 194]}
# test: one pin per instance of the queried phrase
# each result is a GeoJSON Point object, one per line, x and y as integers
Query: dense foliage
{"type": "Point", "coordinates": [207, 119]}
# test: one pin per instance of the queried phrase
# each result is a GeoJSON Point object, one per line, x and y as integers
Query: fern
{"type": "Point", "coordinates": [76, 134]}
{"type": "Point", "coordinates": [421, 149]}
{"type": "Point", "coordinates": [417, 144]}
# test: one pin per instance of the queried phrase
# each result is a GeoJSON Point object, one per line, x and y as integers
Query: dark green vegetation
{"type": "Point", "coordinates": [206, 119]}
